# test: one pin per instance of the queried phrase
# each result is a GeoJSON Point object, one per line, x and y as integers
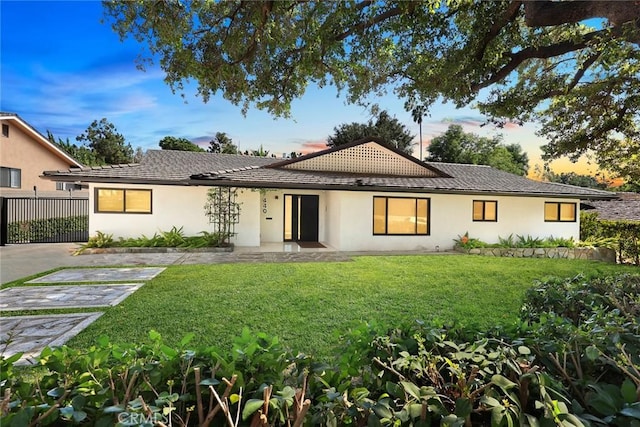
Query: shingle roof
{"type": "Point", "coordinates": [163, 167]}
{"type": "Point", "coordinates": [625, 208]}
{"type": "Point", "coordinates": [191, 168]}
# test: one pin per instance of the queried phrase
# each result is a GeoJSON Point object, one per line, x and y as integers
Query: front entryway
{"type": "Point", "coordinates": [301, 217]}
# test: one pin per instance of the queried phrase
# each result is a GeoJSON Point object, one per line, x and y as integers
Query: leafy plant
{"type": "Point", "coordinates": [466, 242]}
{"type": "Point", "coordinates": [508, 242]}
{"type": "Point", "coordinates": [173, 238]}
{"type": "Point", "coordinates": [100, 240]}
{"type": "Point", "coordinates": [528, 242]}
{"type": "Point", "coordinates": [223, 211]}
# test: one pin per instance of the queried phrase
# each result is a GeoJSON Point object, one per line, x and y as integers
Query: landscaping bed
{"type": "Point", "coordinates": [595, 254]}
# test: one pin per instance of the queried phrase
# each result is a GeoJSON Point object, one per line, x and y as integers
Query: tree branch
{"type": "Point", "coordinates": [509, 15]}
{"type": "Point", "coordinates": [359, 28]}
{"type": "Point", "coordinates": [551, 13]}
{"type": "Point", "coordinates": [536, 52]}
{"type": "Point", "coordinates": [579, 74]}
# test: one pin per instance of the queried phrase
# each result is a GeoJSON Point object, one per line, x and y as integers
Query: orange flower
{"type": "Point", "coordinates": [464, 239]}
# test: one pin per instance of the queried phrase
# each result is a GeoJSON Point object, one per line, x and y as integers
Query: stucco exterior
{"type": "Point", "coordinates": [31, 153]}
{"type": "Point", "coordinates": [345, 218]}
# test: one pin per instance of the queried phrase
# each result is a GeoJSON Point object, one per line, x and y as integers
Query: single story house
{"type": "Point", "coordinates": [363, 196]}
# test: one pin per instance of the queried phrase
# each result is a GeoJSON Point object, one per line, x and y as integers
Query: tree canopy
{"type": "Point", "coordinates": [457, 146]}
{"type": "Point", "coordinates": [572, 178]}
{"type": "Point", "coordinates": [107, 144]}
{"type": "Point", "coordinates": [385, 127]}
{"type": "Point", "coordinates": [179, 144]}
{"type": "Point", "coordinates": [572, 66]}
{"type": "Point", "coordinates": [80, 153]}
{"type": "Point", "coordinates": [222, 143]}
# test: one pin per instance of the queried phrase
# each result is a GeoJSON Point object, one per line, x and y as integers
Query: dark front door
{"type": "Point", "coordinates": [301, 217]}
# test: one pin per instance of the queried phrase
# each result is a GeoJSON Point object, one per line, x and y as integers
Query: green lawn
{"type": "Point", "coordinates": [308, 305]}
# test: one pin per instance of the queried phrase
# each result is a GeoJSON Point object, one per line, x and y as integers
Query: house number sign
{"type": "Point", "coordinates": [264, 205]}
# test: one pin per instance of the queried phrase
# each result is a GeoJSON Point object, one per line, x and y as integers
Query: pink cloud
{"type": "Point", "coordinates": [313, 146]}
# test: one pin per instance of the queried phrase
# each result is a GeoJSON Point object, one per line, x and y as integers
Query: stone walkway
{"type": "Point", "coordinates": [100, 275]}
{"type": "Point", "coordinates": [53, 297]}
{"type": "Point", "coordinates": [31, 334]}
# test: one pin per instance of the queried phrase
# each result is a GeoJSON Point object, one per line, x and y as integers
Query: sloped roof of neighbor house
{"type": "Point", "coordinates": [37, 136]}
{"type": "Point", "coordinates": [365, 165]}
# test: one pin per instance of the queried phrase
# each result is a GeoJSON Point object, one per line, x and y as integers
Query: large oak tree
{"type": "Point", "coordinates": [573, 66]}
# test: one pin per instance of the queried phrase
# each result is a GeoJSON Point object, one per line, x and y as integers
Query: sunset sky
{"type": "Point", "coordinates": [61, 68]}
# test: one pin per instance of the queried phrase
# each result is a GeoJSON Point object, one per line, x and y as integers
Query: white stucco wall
{"type": "Point", "coordinates": [177, 206]}
{"type": "Point", "coordinates": [345, 218]}
{"type": "Point", "coordinates": [450, 216]}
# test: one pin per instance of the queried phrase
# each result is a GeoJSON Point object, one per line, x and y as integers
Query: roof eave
{"type": "Point", "coordinates": [345, 187]}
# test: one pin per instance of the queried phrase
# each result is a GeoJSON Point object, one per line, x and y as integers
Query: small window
{"type": "Point", "coordinates": [5, 130]}
{"type": "Point", "coordinates": [65, 186]}
{"type": "Point", "coordinates": [485, 210]}
{"type": "Point", "coordinates": [400, 216]}
{"type": "Point", "coordinates": [10, 177]}
{"type": "Point", "coordinates": [560, 212]}
{"type": "Point", "coordinates": [121, 200]}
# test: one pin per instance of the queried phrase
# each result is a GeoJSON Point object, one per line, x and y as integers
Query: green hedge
{"type": "Point", "coordinates": [626, 234]}
{"type": "Point", "coordinates": [46, 229]}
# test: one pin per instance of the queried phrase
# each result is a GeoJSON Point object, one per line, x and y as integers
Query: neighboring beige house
{"type": "Point", "coordinates": [24, 154]}
{"type": "Point", "coordinates": [364, 196]}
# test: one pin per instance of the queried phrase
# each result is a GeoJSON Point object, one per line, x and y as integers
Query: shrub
{"type": "Point", "coordinates": [624, 236]}
{"type": "Point", "coordinates": [43, 229]}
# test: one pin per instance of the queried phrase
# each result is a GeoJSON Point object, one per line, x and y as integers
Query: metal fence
{"type": "Point", "coordinates": [43, 220]}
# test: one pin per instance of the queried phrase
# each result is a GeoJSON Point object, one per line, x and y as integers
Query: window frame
{"type": "Point", "coordinates": [96, 203]}
{"type": "Point", "coordinates": [5, 130]}
{"type": "Point", "coordinates": [484, 211]}
{"type": "Point", "coordinates": [559, 212]}
{"type": "Point", "coordinates": [11, 172]}
{"type": "Point", "coordinates": [386, 216]}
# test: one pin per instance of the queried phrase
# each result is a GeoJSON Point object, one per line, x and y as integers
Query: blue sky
{"type": "Point", "coordinates": [61, 68]}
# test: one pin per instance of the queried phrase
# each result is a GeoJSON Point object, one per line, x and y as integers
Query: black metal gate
{"type": "Point", "coordinates": [43, 220]}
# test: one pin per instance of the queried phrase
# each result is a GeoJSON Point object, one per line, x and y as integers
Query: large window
{"type": "Point", "coordinates": [485, 210]}
{"type": "Point", "coordinates": [10, 177]}
{"type": "Point", "coordinates": [400, 216]}
{"type": "Point", "coordinates": [559, 212]}
{"type": "Point", "coordinates": [119, 200]}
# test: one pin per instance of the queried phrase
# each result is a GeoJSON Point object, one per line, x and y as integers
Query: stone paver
{"type": "Point", "coordinates": [100, 275]}
{"type": "Point", "coordinates": [31, 334]}
{"type": "Point", "coordinates": [54, 297]}
{"type": "Point", "coordinates": [258, 257]}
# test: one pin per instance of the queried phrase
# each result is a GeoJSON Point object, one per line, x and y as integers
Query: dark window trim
{"type": "Point", "coordinates": [558, 208]}
{"type": "Point", "coordinates": [386, 216]}
{"type": "Point", "coordinates": [484, 210]}
{"type": "Point", "coordinates": [10, 182]}
{"type": "Point", "coordinates": [5, 130]}
{"type": "Point", "coordinates": [124, 195]}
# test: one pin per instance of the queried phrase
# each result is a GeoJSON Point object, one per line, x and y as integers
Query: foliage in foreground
{"type": "Point", "coordinates": [573, 363]}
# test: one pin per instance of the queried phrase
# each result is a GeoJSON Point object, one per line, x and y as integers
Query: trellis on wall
{"type": "Point", "coordinates": [223, 211]}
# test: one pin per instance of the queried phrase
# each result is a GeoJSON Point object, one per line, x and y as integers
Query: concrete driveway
{"type": "Point", "coordinates": [18, 261]}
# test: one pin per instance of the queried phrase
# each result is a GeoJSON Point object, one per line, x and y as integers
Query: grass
{"type": "Point", "coordinates": [308, 305]}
